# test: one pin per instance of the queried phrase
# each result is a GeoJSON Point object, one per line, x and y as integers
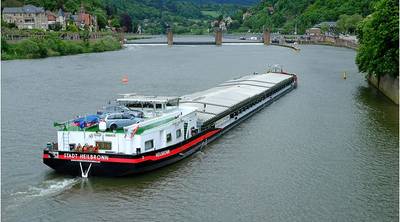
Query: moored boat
{"type": "Point", "coordinates": [150, 132]}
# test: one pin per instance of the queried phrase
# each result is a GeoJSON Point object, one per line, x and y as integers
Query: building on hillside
{"type": "Point", "coordinates": [56, 19]}
{"type": "Point", "coordinates": [61, 19]}
{"type": "Point", "coordinates": [139, 29]}
{"type": "Point", "coordinates": [228, 21]}
{"type": "Point", "coordinates": [26, 17]}
{"type": "Point", "coordinates": [51, 18]}
{"type": "Point", "coordinates": [222, 26]}
{"type": "Point", "coordinates": [328, 27]}
{"type": "Point", "coordinates": [83, 19]}
{"type": "Point", "coordinates": [313, 32]}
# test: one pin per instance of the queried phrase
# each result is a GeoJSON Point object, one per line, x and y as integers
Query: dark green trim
{"type": "Point", "coordinates": [153, 125]}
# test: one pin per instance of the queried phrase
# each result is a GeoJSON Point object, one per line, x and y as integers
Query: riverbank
{"type": "Point", "coordinates": [33, 48]}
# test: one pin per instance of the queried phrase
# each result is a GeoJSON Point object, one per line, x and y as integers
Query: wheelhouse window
{"type": "Point", "coordinates": [112, 117]}
{"type": "Point", "coordinates": [118, 116]}
{"type": "Point", "coordinates": [126, 116]}
{"type": "Point", "coordinates": [178, 133]}
{"type": "Point", "coordinates": [169, 137]}
{"type": "Point", "coordinates": [103, 145]}
{"type": "Point", "coordinates": [149, 144]}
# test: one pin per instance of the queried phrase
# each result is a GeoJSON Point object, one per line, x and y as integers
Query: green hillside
{"type": "Point", "coordinates": [195, 16]}
{"type": "Point", "coordinates": [153, 16]}
{"type": "Point", "coordinates": [284, 15]}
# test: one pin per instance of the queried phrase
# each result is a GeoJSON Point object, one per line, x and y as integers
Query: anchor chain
{"type": "Point", "coordinates": [85, 173]}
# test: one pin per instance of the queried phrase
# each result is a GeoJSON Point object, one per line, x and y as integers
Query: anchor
{"type": "Point", "coordinates": [85, 173]}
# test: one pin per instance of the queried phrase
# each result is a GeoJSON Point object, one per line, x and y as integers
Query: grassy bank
{"type": "Point", "coordinates": [53, 46]}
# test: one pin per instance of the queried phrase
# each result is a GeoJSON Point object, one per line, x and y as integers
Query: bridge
{"type": "Point", "coordinates": [204, 40]}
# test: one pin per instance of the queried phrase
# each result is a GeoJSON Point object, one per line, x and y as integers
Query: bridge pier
{"type": "Point", "coordinates": [218, 36]}
{"type": "Point", "coordinates": [170, 37]}
{"type": "Point", "coordinates": [267, 37]}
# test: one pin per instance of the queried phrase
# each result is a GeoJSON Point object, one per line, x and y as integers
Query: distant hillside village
{"type": "Point", "coordinates": [32, 17]}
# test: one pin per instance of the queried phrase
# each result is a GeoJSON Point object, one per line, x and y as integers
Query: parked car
{"type": "Point", "coordinates": [119, 109]}
{"type": "Point", "coordinates": [242, 38]}
{"type": "Point", "coordinates": [118, 120]}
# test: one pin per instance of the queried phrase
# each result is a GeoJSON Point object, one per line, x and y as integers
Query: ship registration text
{"type": "Point", "coordinates": [162, 153]}
{"type": "Point", "coordinates": [75, 156]}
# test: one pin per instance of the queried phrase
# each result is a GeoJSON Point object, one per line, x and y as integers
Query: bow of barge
{"type": "Point", "coordinates": [168, 129]}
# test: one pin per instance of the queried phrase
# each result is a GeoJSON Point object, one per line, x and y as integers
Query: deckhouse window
{"type": "Point", "coordinates": [149, 144]}
{"type": "Point", "coordinates": [169, 137]}
{"type": "Point", "coordinates": [103, 145]}
{"type": "Point", "coordinates": [178, 133]}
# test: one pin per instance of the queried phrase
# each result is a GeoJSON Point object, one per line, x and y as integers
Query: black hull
{"type": "Point", "coordinates": [116, 169]}
{"type": "Point", "coordinates": [110, 169]}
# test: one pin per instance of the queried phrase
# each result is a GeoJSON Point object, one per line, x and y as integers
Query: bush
{"type": "Point", "coordinates": [27, 48]}
{"type": "Point", "coordinates": [72, 48]}
{"type": "Point", "coordinates": [106, 44]}
{"type": "Point", "coordinates": [4, 45]}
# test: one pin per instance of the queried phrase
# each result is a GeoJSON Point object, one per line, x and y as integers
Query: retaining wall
{"type": "Point", "coordinates": [388, 85]}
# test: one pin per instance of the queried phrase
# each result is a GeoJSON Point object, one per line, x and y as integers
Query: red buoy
{"type": "Point", "coordinates": [124, 79]}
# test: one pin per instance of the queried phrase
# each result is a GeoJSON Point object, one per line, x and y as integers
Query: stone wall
{"type": "Point", "coordinates": [326, 40]}
{"type": "Point", "coordinates": [388, 86]}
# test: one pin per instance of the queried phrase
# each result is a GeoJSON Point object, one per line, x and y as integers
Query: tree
{"type": "Point", "coordinates": [4, 45]}
{"type": "Point", "coordinates": [101, 18]}
{"type": "Point", "coordinates": [126, 22]}
{"type": "Point", "coordinates": [378, 34]}
{"type": "Point", "coordinates": [234, 25]}
{"type": "Point", "coordinates": [114, 23]}
{"type": "Point", "coordinates": [55, 26]}
{"type": "Point", "coordinates": [348, 23]}
{"type": "Point", "coordinates": [11, 3]}
{"type": "Point", "coordinates": [353, 22]}
{"type": "Point", "coordinates": [341, 24]}
{"type": "Point", "coordinates": [111, 10]}
{"type": "Point", "coordinates": [324, 28]}
{"type": "Point", "coordinates": [71, 26]}
{"type": "Point", "coordinates": [85, 36]}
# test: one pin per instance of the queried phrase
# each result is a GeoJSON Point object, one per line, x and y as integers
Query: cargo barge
{"type": "Point", "coordinates": [143, 133]}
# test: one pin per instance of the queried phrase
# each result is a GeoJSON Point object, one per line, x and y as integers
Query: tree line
{"type": "Point", "coordinates": [378, 33]}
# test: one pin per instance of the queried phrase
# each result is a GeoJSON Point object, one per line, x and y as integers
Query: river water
{"type": "Point", "coordinates": [327, 151]}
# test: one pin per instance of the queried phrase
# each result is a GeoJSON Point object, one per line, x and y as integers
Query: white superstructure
{"type": "Point", "coordinates": [164, 124]}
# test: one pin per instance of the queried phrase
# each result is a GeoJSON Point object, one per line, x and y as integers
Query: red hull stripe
{"type": "Point", "coordinates": [97, 157]}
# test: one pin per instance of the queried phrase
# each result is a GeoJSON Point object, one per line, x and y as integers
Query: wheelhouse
{"type": "Point", "coordinates": [164, 124]}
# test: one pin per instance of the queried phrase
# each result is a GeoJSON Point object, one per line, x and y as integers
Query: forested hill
{"type": "Point", "coordinates": [195, 16]}
{"type": "Point", "coordinates": [286, 14]}
{"type": "Point", "coordinates": [236, 2]}
{"type": "Point", "coordinates": [186, 16]}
